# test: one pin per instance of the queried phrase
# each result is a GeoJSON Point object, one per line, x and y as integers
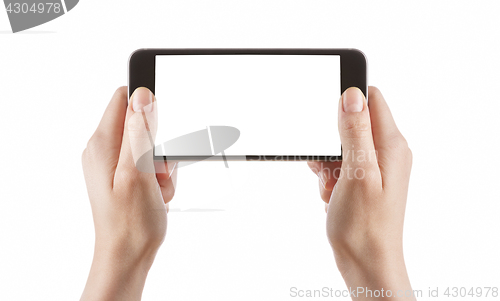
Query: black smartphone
{"type": "Point", "coordinates": [247, 104]}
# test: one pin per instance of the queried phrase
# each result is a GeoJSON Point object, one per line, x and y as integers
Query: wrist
{"type": "Point", "coordinates": [117, 275]}
{"type": "Point", "coordinates": [375, 270]}
{"type": "Point", "coordinates": [361, 249]}
{"type": "Point", "coordinates": [118, 272]}
{"type": "Point", "coordinates": [125, 253]}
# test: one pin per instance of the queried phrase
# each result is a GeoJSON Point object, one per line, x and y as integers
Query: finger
{"type": "Point", "coordinates": [358, 150]}
{"type": "Point", "coordinates": [168, 181]}
{"type": "Point", "coordinates": [327, 172]}
{"type": "Point", "coordinates": [392, 148]}
{"type": "Point", "coordinates": [383, 125]}
{"type": "Point", "coordinates": [136, 154]}
{"type": "Point", "coordinates": [103, 148]}
{"type": "Point", "coordinates": [110, 127]}
{"type": "Point", "coordinates": [324, 193]}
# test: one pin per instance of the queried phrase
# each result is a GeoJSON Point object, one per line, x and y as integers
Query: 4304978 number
{"type": "Point", "coordinates": [471, 292]}
{"type": "Point", "coordinates": [35, 8]}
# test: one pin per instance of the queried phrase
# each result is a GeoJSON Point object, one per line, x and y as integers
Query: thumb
{"type": "Point", "coordinates": [358, 151]}
{"type": "Point", "coordinates": [139, 133]}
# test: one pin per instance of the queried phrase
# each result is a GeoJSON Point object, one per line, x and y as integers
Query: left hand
{"type": "Point", "coordinates": [129, 197]}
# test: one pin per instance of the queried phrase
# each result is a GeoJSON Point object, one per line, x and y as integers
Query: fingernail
{"type": "Point", "coordinates": [142, 99]}
{"type": "Point", "coordinates": [353, 100]}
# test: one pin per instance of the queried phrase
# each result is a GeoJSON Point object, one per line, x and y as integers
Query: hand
{"type": "Point", "coordinates": [365, 195]}
{"type": "Point", "coordinates": [129, 197]}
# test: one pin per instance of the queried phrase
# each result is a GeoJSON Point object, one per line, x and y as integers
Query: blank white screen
{"type": "Point", "coordinates": [264, 96]}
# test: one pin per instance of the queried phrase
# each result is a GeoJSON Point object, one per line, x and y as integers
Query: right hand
{"type": "Point", "coordinates": [365, 194]}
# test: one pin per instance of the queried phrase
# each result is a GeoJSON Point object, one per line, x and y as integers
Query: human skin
{"type": "Point", "coordinates": [365, 196]}
{"type": "Point", "coordinates": [365, 210]}
{"type": "Point", "coordinates": [129, 203]}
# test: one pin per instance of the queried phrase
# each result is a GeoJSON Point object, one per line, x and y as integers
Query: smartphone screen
{"type": "Point", "coordinates": [282, 105]}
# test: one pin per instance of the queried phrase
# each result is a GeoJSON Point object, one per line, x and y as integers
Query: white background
{"type": "Point", "coordinates": [268, 98]}
{"type": "Point", "coordinates": [437, 63]}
